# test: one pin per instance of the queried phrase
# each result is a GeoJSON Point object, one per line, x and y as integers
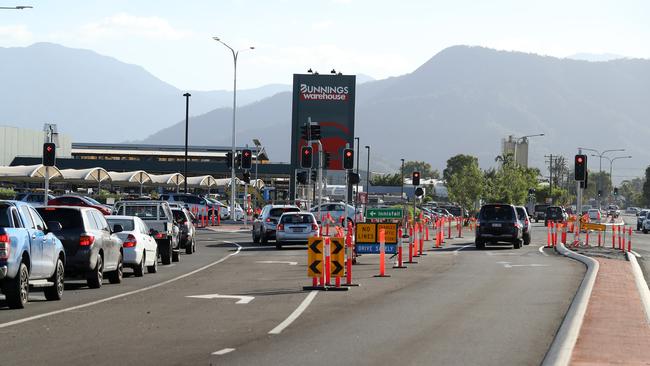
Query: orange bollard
{"type": "Point", "coordinates": [629, 240]}
{"type": "Point", "coordinates": [549, 242]}
{"type": "Point", "coordinates": [327, 262]}
{"type": "Point", "coordinates": [599, 235]}
{"type": "Point", "coordinates": [421, 237]}
{"type": "Point", "coordinates": [382, 254]}
{"type": "Point", "coordinates": [613, 236]}
{"type": "Point", "coordinates": [218, 215]}
{"type": "Point", "coordinates": [427, 231]}
{"type": "Point", "coordinates": [587, 237]}
{"type": "Point", "coordinates": [400, 264]}
{"type": "Point", "coordinates": [449, 229]}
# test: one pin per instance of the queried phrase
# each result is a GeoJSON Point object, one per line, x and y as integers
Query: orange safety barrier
{"type": "Point", "coordinates": [382, 254]}
{"type": "Point", "coordinates": [400, 243]}
{"type": "Point", "coordinates": [629, 240]}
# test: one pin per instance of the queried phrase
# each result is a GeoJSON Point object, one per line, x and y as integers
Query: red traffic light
{"type": "Point", "coordinates": [348, 153]}
{"type": "Point", "coordinates": [306, 151]}
{"type": "Point", "coordinates": [579, 159]}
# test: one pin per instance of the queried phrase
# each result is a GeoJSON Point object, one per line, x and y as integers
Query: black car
{"type": "Point", "coordinates": [555, 214]}
{"type": "Point", "coordinates": [91, 248]}
{"type": "Point", "coordinates": [498, 223]}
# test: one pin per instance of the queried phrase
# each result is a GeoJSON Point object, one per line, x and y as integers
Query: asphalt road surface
{"type": "Point", "coordinates": [457, 306]}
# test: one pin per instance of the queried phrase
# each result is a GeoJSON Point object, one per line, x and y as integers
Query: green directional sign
{"type": "Point", "coordinates": [384, 213]}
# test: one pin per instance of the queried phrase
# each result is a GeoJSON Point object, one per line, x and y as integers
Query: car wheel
{"type": "Point", "coordinates": [189, 245]}
{"type": "Point", "coordinates": [154, 267]}
{"type": "Point", "coordinates": [645, 231]}
{"type": "Point", "coordinates": [193, 245]}
{"type": "Point", "coordinates": [278, 245]}
{"type": "Point", "coordinates": [116, 276]}
{"type": "Point", "coordinates": [176, 255]}
{"type": "Point", "coordinates": [166, 253]}
{"type": "Point", "coordinates": [517, 244]}
{"type": "Point", "coordinates": [139, 269]}
{"type": "Point", "coordinates": [256, 238]}
{"type": "Point", "coordinates": [16, 289]}
{"type": "Point", "coordinates": [527, 239]}
{"type": "Point", "coordinates": [480, 244]}
{"type": "Point", "coordinates": [95, 277]}
{"type": "Point", "coordinates": [263, 238]}
{"type": "Point", "coordinates": [55, 292]}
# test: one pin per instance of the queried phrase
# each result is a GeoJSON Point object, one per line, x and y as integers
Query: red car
{"type": "Point", "coordinates": [79, 201]}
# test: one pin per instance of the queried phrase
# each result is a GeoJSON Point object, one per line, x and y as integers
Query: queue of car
{"type": "Point", "coordinates": [77, 237]}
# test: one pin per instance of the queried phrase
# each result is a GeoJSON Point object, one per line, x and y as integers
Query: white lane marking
{"type": "Point", "coordinates": [241, 299]}
{"type": "Point", "coordinates": [77, 307]}
{"type": "Point", "coordinates": [461, 248]}
{"type": "Point", "coordinates": [278, 262]}
{"type": "Point", "coordinates": [541, 250]}
{"type": "Point", "coordinates": [509, 265]}
{"type": "Point", "coordinates": [499, 254]}
{"type": "Point", "coordinates": [258, 248]}
{"type": "Point", "coordinates": [223, 351]}
{"type": "Point", "coordinates": [296, 313]}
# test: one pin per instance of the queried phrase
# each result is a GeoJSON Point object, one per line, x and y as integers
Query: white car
{"type": "Point", "coordinates": [337, 210]}
{"type": "Point", "coordinates": [139, 247]}
{"type": "Point", "coordinates": [594, 215]}
{"type": "Point", "coordinates": [295, 227]}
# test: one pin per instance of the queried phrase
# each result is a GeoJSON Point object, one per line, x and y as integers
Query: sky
{"type": "Point", "coordinates": [173, 39]}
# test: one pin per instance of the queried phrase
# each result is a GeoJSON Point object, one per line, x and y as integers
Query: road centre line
{"type": "Point", "coordinates": [296, 313]}
{"type": "Point", "coordinates": [461, 248]}
{"type": "Point", "coordinates": [223, 351]}
{"type": "Point", "coordinates": [541, 250]}
{"type": "Point", "coordinates": [96, 302]}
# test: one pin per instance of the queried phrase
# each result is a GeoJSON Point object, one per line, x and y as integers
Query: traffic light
{"type": "Point", "coordinates": [353, 178]}
{"type": "Point", "coordinates": [600, 193]}
{"type": "Point", "coordinates": [583, 183]}
{"type": "Point", "coordinates": [326, 160]}
{"type": "Point", "coordinates": [416, 178]}
{"type": "Point", "coordinates": [531, 190]}
{"type": "Point", "coordinates": [348, 159]}
{"type": "Point", "coordinates": [580, 167]}
{"type": "Point", "coordinates": [229, 159]}
{"type": "Point", "coordinates": [238, 160]}
{"type": "Point", "coordinates": [49, 154]}
{"type": "Point", "coordinates": [302, 177]}
{"type": "Point", "coordinates": [615, 191]}
{"type": "Point", "coordinates": [314, 175]}
{"type": "Point", "coordinates": [304, 132]}
{"type": "Point", "coordinates": [247, 177]}
{"type": "Point", "coordinates": [306, 157]}
{"type": "Point", "coordinates": [246, 159]}
{"type": "Point", "coordinates": [315, 131]}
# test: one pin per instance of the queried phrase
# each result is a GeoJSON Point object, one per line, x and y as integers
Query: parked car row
{"type": "Point", "coordinates": [41, 246]}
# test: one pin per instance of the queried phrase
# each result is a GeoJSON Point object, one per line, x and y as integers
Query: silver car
{"type": "Point", "coordinates": [295, 227]}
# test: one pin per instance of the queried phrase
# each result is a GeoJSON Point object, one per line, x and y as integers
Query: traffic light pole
{"type": "Point", "coordinates": [320, 179]}
{"type": "Point", "coordinates": [579, 201]}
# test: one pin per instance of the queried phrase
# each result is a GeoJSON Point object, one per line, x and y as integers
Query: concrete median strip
{"type": "Point", "coordinates": [565, 340]}
{"type": "Point", "coordinates": [641, 284]}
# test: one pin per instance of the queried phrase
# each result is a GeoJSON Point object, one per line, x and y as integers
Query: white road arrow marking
{"type": "Point", "coordinates": [508, 265]}
{"type": "Point", "coordinates": [278, 262]}
{"type": "Point", "coordinates": [241, 299]}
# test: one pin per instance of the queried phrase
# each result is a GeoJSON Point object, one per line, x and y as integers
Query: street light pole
{"type": "Point", "coordinates": [19, 7]}
{"type": "Point", "coordinates": [187, 124]}
{"type": "Point", "coordinates": [611, 164]}
{"type": "Point", "coordinates": [233, 188]}
{"type": "Point", "coordinates": [368, 174]}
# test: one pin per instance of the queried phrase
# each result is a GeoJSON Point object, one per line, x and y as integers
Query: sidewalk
{"type": "Point", "coordinates": [615, 329]}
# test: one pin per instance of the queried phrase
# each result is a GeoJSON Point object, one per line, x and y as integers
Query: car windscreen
{"type": "Point", "coordinates": [541, 207]}
{"type": "Point", "coordinates": [554, 211]}
{"type": "Point", "coordinates": [68, 218]}
{"type": "Point", "coordinates": [5, 216]}
{"type": "Point", "coordinates": [94, 202]}
{"type": "Point", "coordinates": [127, 224]}
{"type": "Point", "coordinates": [297, 219]}
{"type": "Point", "coordinates": [145, 212]}
{"type": "Point", "coordinates": [500, 213]}
{"type": "Point", "coordinates": [179, 215]}
{"type": "Point", "coordinates": [277, 212]}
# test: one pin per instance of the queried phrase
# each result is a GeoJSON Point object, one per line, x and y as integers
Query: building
{"type": "Point", "coordinates": [518, 148]}
{"type": "Point", "coordinates": [16, 141]}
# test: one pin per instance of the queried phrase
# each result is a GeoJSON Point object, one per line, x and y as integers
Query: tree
{"type": "Point", "coordinates": [510, 183]}
{"type": "Point", "coordinates": [457, 163]}
{"type": "Point", "coordinates": [387, 180]}
{"type": "Point", "coordinates": [465, 185]}
{"type": "Point", "coordinates": [645, 196]}
{"type": "Point", "coordinates": [426, 172]}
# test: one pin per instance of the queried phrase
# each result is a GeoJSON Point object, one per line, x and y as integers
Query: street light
{"type": "Point", "coordinates": [600, 156]}
{"type": "Point", "coordinates": [19, 7]}
{"type": "Point", "coordinates": [611, 164]}
{"type": "Point", "coordinates": [523, 138]}
{"type": "Point", "coordinates": [187, 124]}
{"type": "Point", "coordinates": [368, 173]}
{"type": "Point", "coordinates": [233, 188]}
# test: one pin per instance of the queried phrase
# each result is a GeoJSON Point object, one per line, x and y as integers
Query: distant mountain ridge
{"type": "Point", "coordinates": [465, 100]}
{"type": "Point", "coordinates": [80, 90]}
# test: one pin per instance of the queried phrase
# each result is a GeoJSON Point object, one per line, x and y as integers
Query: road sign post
{"type": "Point", "coordinates": [315, 262]}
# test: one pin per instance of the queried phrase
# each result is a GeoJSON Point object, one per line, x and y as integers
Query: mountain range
{"type": "Point", "coordinates": [462, 100]}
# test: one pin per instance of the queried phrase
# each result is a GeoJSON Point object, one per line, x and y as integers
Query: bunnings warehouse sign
{"type": "Point", "coordinates": [329, 101]}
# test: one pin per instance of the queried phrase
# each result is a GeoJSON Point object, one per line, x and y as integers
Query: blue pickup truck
{"type": "Point", "coordinates": [28, 252]}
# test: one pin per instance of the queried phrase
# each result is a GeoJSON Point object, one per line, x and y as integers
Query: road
{"type": "Point", "coordinates": [456, 306]}
{"type": "Point", "coordinates": [641, 245]}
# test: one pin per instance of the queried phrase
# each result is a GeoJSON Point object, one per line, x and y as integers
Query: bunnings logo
{"type": "Point", "coordinates": [310, 92]}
